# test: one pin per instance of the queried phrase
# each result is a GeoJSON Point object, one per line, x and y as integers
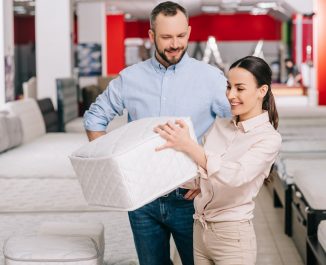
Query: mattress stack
{"type": "Point", "coordinates": [311, 182]}
{"type": "Point", "coordinates": [322, 234]}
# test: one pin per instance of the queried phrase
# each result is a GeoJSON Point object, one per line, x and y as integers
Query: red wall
{"type": "Point", "coordinates": [137, 29]}
{"type": "Point", "coordinates": [24, 30]}
{"type": "Point", "coordinates": [320, 57]}
{"type": "Point", "coordinates": [115, 30]}
{"type": "Point", "coordinates": [239, 27]}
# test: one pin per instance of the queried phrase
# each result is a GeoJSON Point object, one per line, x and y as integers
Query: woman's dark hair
{"type": "Point", "coordinates": [167, 9]}
{"type": "Point", "coordinates": [263, 75]}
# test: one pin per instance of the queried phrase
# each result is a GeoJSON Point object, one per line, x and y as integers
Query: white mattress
{"type": "Point", "coordinates": [312, 182]}
{"type": "Point", "coordinates": [302, 116]}
{"type": "Point", "coordinates": [303, 146]}
{"type": "Point", "coordinates": [303, 132]}
{"type": "Point", "coordinates": [77, 126]}
{"type": "Point", "coordinates": [302, 112]}
{"type": "Point", "coordinates": [42, 195]}
{"type": "Point", "coordinates": [122, 170]}
{"type": "Point", "coordinates": [44, 157]}
{"type": "Point", "coordinates": [296, 152]}
{"type": "Point", "coordinates": [321, 234]}
{"type": "Point", "coordinates": [287, 167]}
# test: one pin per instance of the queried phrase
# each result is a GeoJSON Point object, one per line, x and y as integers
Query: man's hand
{"type": "Point", "coordinates": [92, 135]}
{"type": "Point", "coordinates": [191, 194]}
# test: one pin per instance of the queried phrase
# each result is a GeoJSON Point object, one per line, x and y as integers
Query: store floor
{"type": "Point", "coordinates": [274, 247]}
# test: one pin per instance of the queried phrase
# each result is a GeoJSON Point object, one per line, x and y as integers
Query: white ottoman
{"type": "Point", "coordinates": [94, 231]}
{"type": "Point", "coordinates": [50, 250]}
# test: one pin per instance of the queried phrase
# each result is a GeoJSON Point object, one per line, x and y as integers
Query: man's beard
{"type": "Point", "coordinates": [165, 58]}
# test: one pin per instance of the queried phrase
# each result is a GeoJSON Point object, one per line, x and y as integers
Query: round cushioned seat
{"type": "Point", "coordinates": [50, 250]}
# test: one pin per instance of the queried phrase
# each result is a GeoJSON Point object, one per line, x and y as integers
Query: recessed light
{"type": "Point", "coordinates": [267, 5]}
{"type": "Point", "coordinates": [210, 9]}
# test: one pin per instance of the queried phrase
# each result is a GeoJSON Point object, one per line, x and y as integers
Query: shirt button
{"type": "Point", "coordinates": [164, 98]}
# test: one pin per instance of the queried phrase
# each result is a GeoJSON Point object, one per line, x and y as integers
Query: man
{"type": "Point", "coordinates": [169, 84]}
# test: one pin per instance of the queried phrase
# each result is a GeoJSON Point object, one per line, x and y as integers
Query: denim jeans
{"type": "Point", "coordinates": [153, 224]}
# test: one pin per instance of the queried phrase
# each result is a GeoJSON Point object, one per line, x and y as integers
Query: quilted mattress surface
{"type": "Point", "coordinates": [312, 182]}
{"type": "Point", "coordinates": [287, 167]}
{"type": "Point", "coordinates": [76, 125]}
{"type": "Point", "coordinates": [122, 170]}
{"type": "Point", "coordinates": [302, 112]}
{"type": "Point", "coordinates": [42, 195]}
{"type": "Point", "coordinates": [44, 157]}
{"type": "Point", "coordinates": [321, 234]}
{"type": "Point", "coordinates": [303, 146]}
{"type": "Point", "coordinates": [302, 132]}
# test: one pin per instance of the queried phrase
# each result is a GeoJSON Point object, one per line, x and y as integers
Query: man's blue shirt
{"type": "Point", "coordinates": [147, 89]}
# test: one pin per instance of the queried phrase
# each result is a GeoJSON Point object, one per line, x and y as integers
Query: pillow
{"type": "Point", "coordinates": [30, 116]}
{"type": "Point", "coordinates": [122, 170]}
{"type": "Point", "coordinates": [4, 137]}
{"type": "Point", "coordinates": [15, 130]}
{"type": "Point", "coordinates": [11, 133]}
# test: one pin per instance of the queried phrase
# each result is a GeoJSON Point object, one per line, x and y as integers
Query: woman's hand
{"type": "Point", "coordinates": [177, 135]}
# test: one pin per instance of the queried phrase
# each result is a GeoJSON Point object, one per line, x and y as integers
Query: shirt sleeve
{"type": "Point", "coordinates": [250, 165]}
{"type": "Point", "coordinates": [107, 105]}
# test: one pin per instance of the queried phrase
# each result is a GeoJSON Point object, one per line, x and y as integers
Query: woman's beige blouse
{"type": "Point", "coordinates": [239, 158]}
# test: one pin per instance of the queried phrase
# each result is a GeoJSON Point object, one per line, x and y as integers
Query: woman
{"type": "Point", "coordinates": [236, 159]}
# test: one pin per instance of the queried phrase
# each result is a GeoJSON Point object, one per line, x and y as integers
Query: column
{"type": "Point", "coordinates": [54, 52]}
{"type": "Point", "coordinates": [92, 26]}
{"type": "Point", "coordinates": [115, 34]}
{"type": "Point", "coordinates": [320, 48]}
{"type": "Point", "coordinates": [7, 67]}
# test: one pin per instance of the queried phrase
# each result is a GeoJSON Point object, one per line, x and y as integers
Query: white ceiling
{"type": "Point", "coordinates": [140, 9]}
{"type": "Point", "coordinates": [281, 9]}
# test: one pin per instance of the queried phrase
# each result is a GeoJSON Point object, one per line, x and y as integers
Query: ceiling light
{"type": "Point", "coordinates": [259, 11]}
{"type": "Point", "coordinates": [267, 5]}
{"type": "Point", "coordinates": [231, 1]}
{"type": "Point", "coordinates": [244, 8]}
{"type": "Point", "coordinates": [127, 16]}
{"type": "Point", "coordinates": [210, 9]}
{"type": "Point", "coordinates": [19, 9]}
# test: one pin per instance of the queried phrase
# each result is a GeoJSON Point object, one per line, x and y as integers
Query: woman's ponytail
{"type": "Point", "coordinates": [270, 106]}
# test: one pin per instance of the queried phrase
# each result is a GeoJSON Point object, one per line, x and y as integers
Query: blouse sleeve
{"type": "Point", "coordinates": [251, 164]}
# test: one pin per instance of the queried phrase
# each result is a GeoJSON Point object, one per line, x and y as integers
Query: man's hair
{"type": "Point", "coordinates": [167, 8]}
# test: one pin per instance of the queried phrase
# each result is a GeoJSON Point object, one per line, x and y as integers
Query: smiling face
{"type": "Point", "coordinates": [170, 36]}
{"type": "Point", "coordinates": [245, 97]}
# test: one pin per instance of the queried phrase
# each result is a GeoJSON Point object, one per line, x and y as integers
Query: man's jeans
{"type": "Point", "coordinates": [153, 224]}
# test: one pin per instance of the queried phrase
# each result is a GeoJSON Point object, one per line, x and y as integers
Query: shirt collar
{"type": "Point", "coordinates": [252, 123]}
{"type": "Point", "coordinates": [160, 67]}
